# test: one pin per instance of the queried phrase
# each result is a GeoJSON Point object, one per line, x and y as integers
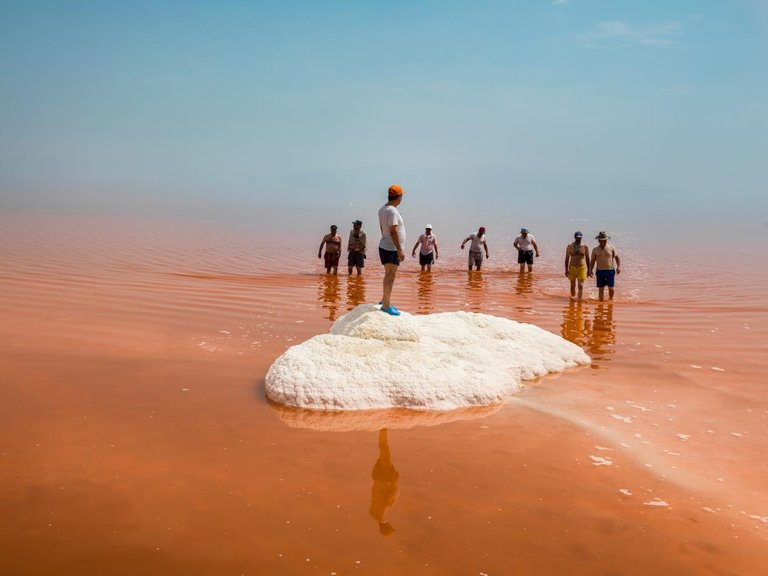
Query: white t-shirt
{"type": "Point", "coordinates": [427, 243]}
{"type": "Point", "coordinates": [525, 243]}
{"type": "Point", "coordinates": [476, 242]}
{"type": "Point", "coordinates": [389, 216]}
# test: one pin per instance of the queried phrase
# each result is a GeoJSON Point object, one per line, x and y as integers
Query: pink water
{"type": "Point", "coordinates": [135, 437]}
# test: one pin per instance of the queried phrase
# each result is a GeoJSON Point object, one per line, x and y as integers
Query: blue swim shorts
{"type": "Point", "coordinates": [389, 257]}
{"type": "Point", "coordinates": [605, 278]}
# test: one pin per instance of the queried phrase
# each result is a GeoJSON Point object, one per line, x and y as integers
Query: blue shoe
{"type": "Point", "coordinates": [391, 305]}
{"type": "Point", "coordinates": [392, 311]}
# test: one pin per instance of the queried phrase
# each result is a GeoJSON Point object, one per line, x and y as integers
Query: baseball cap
{"type": "Point", "coordinates": [577, 234]}
{"type": "Point", "coordinates": [428, 226]}
{"type": "Point", "coordinates": [357, 222]}
{"type": "Point", "coordinates": [481, 229]}
{"type": "Point", "coordinates": [396, 190]}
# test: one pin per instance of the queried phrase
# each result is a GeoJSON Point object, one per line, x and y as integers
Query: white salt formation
{"type": "Point", "coordinates": [372, 360]}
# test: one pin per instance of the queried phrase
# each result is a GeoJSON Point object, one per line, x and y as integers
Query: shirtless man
{"type": "Point", "coordinates": [478, 242]}
{"type": "Point", "coordinates": [605, 256]}
{"type": "Point", "coordinates": [576, 264]}
{"type": "Point", "coordinates": [332, 243]}
{"type": "Point", "coordinates": [525, 244]}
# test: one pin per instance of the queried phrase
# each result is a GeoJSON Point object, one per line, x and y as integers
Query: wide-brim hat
{"type": "Point", "coordinates": [602, 236]}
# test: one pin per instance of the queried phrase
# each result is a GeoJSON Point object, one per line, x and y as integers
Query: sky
{"type": "Point", "coordinates": [638, 112]}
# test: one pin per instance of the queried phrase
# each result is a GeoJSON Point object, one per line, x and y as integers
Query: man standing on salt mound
{"type": "Point", "coordinates": [391, 244]}
{"type": "Point", "coordinates": [576, 264]}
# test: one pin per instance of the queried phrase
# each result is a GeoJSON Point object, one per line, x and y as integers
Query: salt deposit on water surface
{"type": "Point", "coordinates": [371, 360]}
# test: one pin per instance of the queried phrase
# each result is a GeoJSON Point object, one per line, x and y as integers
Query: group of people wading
{"type": "Point", "coordinates": [604, 261]}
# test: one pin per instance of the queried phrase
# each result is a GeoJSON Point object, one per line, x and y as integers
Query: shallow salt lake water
{"type": "Point", "coordinates": [136, 437]}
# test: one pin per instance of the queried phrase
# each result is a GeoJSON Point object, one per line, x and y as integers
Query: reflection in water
{"type": "Point", "coordinates": [575, 326]}
{"type": "Point", "coordinates": [524, 291]}
{"type": "Point", "coordinates": [524, 284]}
{"type": "Point", "coordinates": [603, 335]}
{"type": "Point", "coordinates": [475, 290]}
{"type": "Point", "coordinates": [386, 485]}
{"type": "Point", "coordinates": [425, 283]}
{"type": "Point", "coordinates": [355, 291]}
{"type": "Point", "coordinates": [329, 295]}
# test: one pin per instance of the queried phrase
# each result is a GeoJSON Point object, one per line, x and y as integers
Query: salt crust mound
{"type": "Point", "coordinates": [371, 360]}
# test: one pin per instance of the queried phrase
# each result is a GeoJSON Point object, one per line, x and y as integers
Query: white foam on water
{"type": "Point", "coordinates": [657, 502]}
{"type": "Point", "coordinates": [625, 491]}
{"type": "Point", "coordinates": [601, 461]}
{"type": "Point", "coordinates": [371, 360]}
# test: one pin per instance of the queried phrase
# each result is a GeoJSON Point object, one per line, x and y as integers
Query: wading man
{"type": "Point", "coordinates": [606, 263]}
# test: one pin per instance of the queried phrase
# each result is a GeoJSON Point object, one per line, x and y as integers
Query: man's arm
{"type": "Point", "coordinates": [586, 260]}
{"type": "Point", "coordinates": [567, 258]}
{"type": "Point", "coordinates": [320, 250]}
{"type": "Point", "coordinates": [436, 250]}
{"type": "Point", "coordinates": [396, 241]}
{"type": "Point", "coordinates": [535, 247]}
{"type": "Point", "coordinates": [618, 262]}
{"type": "Point", "coordinates": [517, 244]}
{"type": "Point", "coordinates": [592, 260]}
{"type": "Point", "coordinates": [465, 241]}
{"type": "Point", "coordinates": [413, 252]}
{"type": "Point", "coordinates": [485, 245]}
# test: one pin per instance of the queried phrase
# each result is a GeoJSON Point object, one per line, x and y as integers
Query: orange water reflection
{"type": "Point", "coordinates": [386, 486]}
{"type": "Point", "coordinates": [603, 336]}
{"type": "Point", "coordinates": [426, 282]}
{"type": "Point", "coordinates": [329, 294]}
{"type": "Point", "coordinates": [355, 291]}
{"type": "Point", "coordinates": [475, 290]}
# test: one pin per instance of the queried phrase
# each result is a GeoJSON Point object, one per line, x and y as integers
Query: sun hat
{"type": "Point", "coordinates": [523, 230]}
{"type": "Point", "coordinates": [428, 226]}
{"type": "Point", "coordinates": [396, 190]}
{"type": "Point", "coordinates": [602, 236]}
{"type": "Point", "coordinates": [357, 222]}
{"type": "Point", "coordinates": [578, 234]}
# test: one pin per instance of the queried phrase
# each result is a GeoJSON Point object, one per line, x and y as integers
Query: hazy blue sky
{"type": "Point", "coordinates": [504, 108]}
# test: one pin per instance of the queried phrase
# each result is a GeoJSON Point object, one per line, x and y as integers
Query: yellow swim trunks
{"type": "Point", "coordinates": [577, 272]}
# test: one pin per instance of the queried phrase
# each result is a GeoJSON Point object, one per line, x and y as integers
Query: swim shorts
{"type": "Point", "coordinates": [389, 257]}
{"type": "Point", "coordinates": [475, 258]}
{"type": "Point", "coordinates": [605, 278]}
{"type": "Point", "coordinates": [525, 257]}
{"type": "Point", "coordinates": [331, 260]}
{"type": "Point", "coordinates": [425, 259]}
{"type": "Point", "coordinates": [577, 272]}
{"type": "Point", "coordinates": [356, 259]}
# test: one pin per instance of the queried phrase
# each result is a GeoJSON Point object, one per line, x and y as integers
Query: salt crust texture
{"type": "Point", "coordinates": [371, 360]}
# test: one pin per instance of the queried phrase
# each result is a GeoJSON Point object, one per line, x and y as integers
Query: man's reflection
{"type": "Point", "coordinates": [603, 333]}
{"type": "Point", "coordinates": [355, 291]}
{"type": "Point", "coordinates": [425, 283]}
{"type": "Point", "coordinates": [524, 285]}
{"type": "Point", "coordinates": [329, 294]}
{"type": "Point", "coordinates": [475, 289]}
{"type": "Point", "coordinates": [386, 485]}
{"type": "Point", "coordinates": [575, 326]}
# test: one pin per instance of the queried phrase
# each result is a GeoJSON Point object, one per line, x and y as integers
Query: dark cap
{"type": "Point", "coordinates": [577, 235]}
{"type": "Point", "coordinates": [356, 222]}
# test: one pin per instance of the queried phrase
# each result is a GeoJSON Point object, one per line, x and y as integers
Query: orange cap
{"type": "Point", "coordinates": [396, 190]}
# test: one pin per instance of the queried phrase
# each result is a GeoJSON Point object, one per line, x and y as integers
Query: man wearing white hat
{"type": "Point", "coordinates": [525, 244]}
{"type": "Point", "coordinates": [428, 252]}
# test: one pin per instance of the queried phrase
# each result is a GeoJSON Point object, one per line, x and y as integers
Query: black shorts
{"type": "Point", "coordinates": [525, 257]}
{"type": "Point", "coordinates": [356, 259]}
{"type": "Point", "coordinates": [389, 257]}
{"type": "Point", "coordinates": [425, 259]}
